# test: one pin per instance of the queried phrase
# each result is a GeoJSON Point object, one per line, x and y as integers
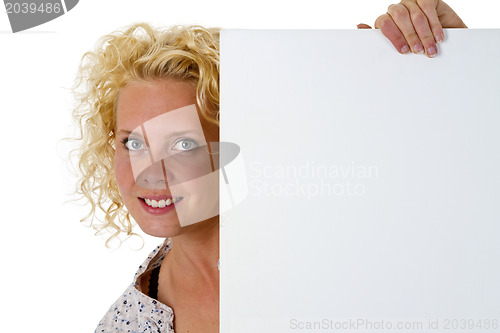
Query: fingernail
{"type": "Point", "coordinates": [439, 38]}
{"type": "Point", "coordinates": [432, 51]}
{"type": "Point", "coordinates": [405, 49]}
{"type": "Point", "coordinates": [418, 48]}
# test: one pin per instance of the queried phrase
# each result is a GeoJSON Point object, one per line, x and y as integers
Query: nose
{"type": "Point", "coordinates": [153, 177]}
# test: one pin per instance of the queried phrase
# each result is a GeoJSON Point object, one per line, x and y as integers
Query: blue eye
{"type": "Point", "coordinates": [185, 145]}
{"type": "Point", "coordinates": [133, 144]}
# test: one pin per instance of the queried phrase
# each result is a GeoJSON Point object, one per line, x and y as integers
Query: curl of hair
{"type": "Point", "coordinates": [139, 52]}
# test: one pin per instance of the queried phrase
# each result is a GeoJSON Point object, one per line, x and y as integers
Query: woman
{"type": "Point", "coordinates": [148, 116]}
{"type": "Point", "coordinates": [138, 79]}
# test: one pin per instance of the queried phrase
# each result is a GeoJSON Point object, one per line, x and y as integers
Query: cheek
{"type": "Point", "coordinates": [123, 172]}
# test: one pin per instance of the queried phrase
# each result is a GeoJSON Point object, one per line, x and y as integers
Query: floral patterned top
{"type": "Point", "coordinates": [135, 311]}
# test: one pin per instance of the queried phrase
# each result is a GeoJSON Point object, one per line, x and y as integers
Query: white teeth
{"type": "Point", "coordinates": [161, 203]}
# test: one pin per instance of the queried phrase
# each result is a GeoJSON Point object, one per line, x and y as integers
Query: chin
{"type": "Point", "coordinates": [161, 231]}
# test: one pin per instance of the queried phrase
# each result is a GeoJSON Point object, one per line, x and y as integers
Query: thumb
{"type": "Point", "coordinates": [363, 26]}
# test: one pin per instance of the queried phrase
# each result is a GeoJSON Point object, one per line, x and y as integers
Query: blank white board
{"type": "Point", "coordinates": [373, 183]}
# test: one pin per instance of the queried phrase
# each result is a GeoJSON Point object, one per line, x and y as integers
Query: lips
{"type": "Point", "coordinates": [159, 204]}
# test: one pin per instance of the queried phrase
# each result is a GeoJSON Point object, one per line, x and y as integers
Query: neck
{"type": "Point", "coordinates": [194, 254]}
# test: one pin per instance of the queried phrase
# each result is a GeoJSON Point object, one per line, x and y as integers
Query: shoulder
{"type": "Point", "coordinates": [135, 311]}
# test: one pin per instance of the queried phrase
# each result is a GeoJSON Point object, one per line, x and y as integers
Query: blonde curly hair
{"type": "Point", "coordinates": [139, 52]}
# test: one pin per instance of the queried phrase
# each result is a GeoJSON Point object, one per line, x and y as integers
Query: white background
{"type": "Point", "coordinates": [57, 276]}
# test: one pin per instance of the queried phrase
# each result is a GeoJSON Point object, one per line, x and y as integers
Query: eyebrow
{"type": "Point", "coordinates": [123, 132]}
{"type": "Point", "coordinates": [177, 133]}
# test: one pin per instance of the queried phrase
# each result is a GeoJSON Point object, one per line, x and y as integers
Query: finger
{"type": "Point", "coordinates": [430, 10]}
{"type": "Point", "coordinates": [392, 32]}
{"type": "Point", "coordinates": [422, 27]}
{"type": "Point", "coordinates": [363, 26]}
{"type": "Point", "coordinates": [447, 16]}
{"type": "Point", "coordinates": [401, 17]}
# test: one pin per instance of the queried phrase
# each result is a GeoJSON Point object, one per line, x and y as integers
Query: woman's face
{"type": "Point", "coordinates": [163, 167]}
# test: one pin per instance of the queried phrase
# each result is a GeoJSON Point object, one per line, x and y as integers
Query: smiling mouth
{"type": "Point", "coordinates": [161, 203]}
